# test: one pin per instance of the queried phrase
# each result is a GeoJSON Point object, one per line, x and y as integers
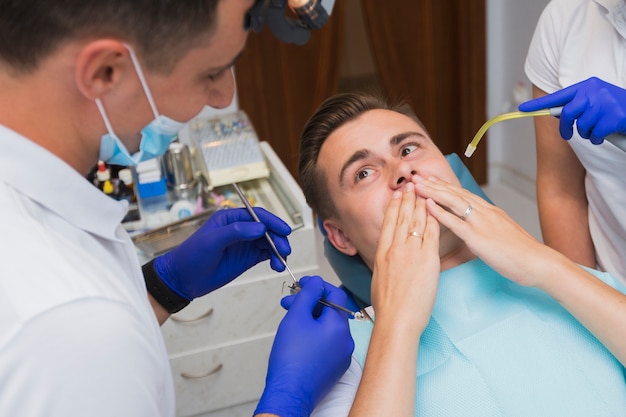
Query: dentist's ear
{"type": "Point", "coordinates": [339, 239]}
{"type": "Point", "coordinates": [99, 67]}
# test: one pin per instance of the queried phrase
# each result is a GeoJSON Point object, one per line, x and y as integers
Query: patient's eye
{"type": "Point", "coordinates": [407, 149]}
{"type": "Point", "coordinates": [362, 174]}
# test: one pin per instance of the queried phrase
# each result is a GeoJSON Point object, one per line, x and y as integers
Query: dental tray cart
{"type": "Point", "coordinates": [229, 148]}
{"type": "Point", "coordinates": [219, 345]}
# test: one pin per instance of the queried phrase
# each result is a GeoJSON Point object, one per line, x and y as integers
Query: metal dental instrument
{"type": "Point", "coordinates": [295, 287]}
{"type": "Point", "coordinates": [246, 203]}
{"type": "Point", "coordinates": [615, 138]}
{"type": "Point", "coordinates": [358, 315]}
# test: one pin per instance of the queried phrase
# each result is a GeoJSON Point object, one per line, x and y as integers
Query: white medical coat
{"type": "Point", "coordinates": [77, 334]}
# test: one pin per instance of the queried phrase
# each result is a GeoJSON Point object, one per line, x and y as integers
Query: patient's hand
{"type": "Point", "coordinates": [404, 287]}
{"type": "Point", "coordinates": [407, 265]}
{"type": "Point", "coordinates": [487, 230]}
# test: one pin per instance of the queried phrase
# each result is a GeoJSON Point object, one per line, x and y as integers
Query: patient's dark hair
{"type": "Point", "coordinates": [330, 116]}
{"type": "Point", "coordinates": [161, 30]}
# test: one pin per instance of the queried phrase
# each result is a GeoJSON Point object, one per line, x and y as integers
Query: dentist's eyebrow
{"type": "Point", "coordinates": [227, 66]}
{"type": "Point", "coordinates": [234, 61]}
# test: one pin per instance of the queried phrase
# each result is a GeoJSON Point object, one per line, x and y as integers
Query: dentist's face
{"type": "Point", "coordinates": [365, 161]}
{"type": "Point", "coordinates": [203, 76]}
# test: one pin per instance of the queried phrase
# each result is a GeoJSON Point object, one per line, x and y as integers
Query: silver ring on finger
{"type": "Point", "coordinates": [467, 212]}
{"type": "Point", "coordinates": [414, 233]}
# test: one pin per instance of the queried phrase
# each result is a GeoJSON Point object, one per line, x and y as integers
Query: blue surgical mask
{"type": "Point", "coordinates": [155, 137]}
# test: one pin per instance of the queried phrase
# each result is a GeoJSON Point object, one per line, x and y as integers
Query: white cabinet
{"type": "Point", "coordinates": [219, 345]}
{"type": "Point", "coordinates": [221, 376]}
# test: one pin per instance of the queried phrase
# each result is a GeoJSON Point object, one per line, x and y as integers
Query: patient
{"type": "Point", "coordinates": [453, 336]}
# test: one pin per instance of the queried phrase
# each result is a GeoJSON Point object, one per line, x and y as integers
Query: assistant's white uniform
{"type": "Point", "coordinates": [575, 40]}
{"type": "Point", "coordinates": [77, 334]}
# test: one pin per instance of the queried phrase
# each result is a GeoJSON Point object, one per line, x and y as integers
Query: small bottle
{"type": "Point", "coordinates": [125, 186]}
{"type": "Point", "coordinates": [108, 188]}
{"type": "Point", "coordinates": [102, 175]}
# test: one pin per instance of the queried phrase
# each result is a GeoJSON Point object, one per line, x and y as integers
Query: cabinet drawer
{"type": "Point", "coordinates": [238, 377]}
{"type": "Point", "coordinates": [233, 312]}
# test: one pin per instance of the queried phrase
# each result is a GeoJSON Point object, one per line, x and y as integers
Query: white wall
{"type": "Point", "coordinates": [511, 144]}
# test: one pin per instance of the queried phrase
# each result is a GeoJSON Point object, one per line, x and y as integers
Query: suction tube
{"type": "Point", "coordinates": [615, 138]}
{"type": "Point", "coordinates": [471, 148]}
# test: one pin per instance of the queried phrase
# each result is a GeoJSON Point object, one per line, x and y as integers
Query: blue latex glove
{"type": "Point", "coordinates": [226, 245]}
{"type": "Point", "coordinates": [599, 109]}
{"type": "Point", "coordinates": [311, 351]}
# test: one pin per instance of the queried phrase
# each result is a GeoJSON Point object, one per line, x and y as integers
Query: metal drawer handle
{"type": "Point", "coordinates": [200, 317]}
{"type": "Point", "coordinates": [204, 375]}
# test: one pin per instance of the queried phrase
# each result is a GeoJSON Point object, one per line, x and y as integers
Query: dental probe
{"type": "Point", "coordinates": [296, 285]}
{"type": "Point", "coordinates": [615, 138]}
{"type": "Point", "coordinates": [246, 203]}
{"type": "Point", "coordinates": [358, 315]}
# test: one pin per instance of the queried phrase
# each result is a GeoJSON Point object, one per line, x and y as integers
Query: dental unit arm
{"type": "Point", "coordinates": [615, 138]}
{"type": "Point", "coordinates": [311, 14]}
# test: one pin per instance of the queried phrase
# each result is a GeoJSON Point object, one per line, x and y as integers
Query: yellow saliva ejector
{"type": "Point", "coordinates": [469, 151]}
{"type": "Point", "coordinates": [616, 139]}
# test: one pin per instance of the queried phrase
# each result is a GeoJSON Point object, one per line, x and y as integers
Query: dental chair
{"type": "Point", "coordinates": [354, 275]}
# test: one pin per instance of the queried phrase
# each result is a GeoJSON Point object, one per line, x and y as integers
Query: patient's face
{"type": "Point", "coordinates": [365, 161]}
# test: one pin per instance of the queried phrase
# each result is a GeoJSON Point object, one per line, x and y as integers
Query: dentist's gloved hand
{"type": "Point", "coordinates": [598, 107]}
{"type": "Point", "coordinates": [226, 245]}
{"type": "Point", "coordinates": [311, 351]}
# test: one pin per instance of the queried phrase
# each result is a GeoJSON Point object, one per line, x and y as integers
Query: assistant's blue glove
{"type": "Point", "coordinates": [311, 351]}
{"type": "Point", "coordinates": [598, 107]}
{"type": "Point", "coordinates": [226, 245]}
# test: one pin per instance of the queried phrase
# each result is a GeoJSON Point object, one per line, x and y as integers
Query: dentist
{"type": "Point", "coordinates": [79, 318]}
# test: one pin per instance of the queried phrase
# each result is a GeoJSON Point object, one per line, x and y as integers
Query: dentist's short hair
{"type": "Point", "coordinates": [330, 116]}
{"type": "Point", "coordinates": [161, 31]}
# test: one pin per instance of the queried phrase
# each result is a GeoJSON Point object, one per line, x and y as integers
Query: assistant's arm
{"type": "Point", "coordinates": [561, 198]}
